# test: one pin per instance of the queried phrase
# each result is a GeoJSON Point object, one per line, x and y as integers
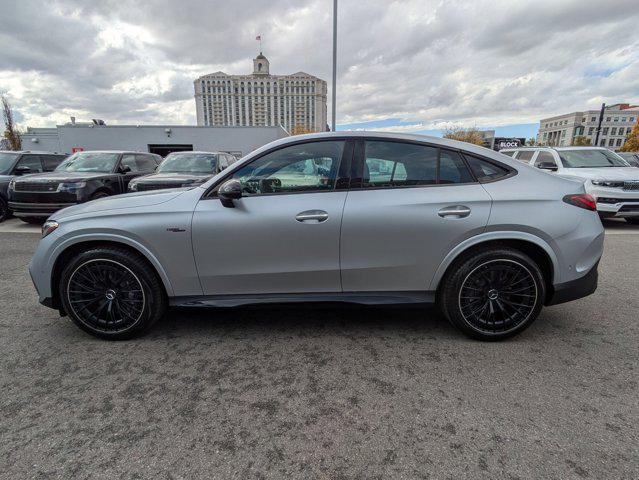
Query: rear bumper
{"type": "Point", "coordinates": [574, 289]}
{"type": "Point", "coordinates": [36, 209]}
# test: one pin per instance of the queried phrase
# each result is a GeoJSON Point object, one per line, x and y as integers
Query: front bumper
{"type": "Point", "coordinates": [615, 202]}
{"type": "Point", "coordinates": [574, 289]}
{"type": "Point", "coordinates": [21, 209]}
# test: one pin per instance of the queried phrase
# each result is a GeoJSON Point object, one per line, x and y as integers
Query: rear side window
{"type": "Point", "coordinates": [145, 163]}
{"type": "Point", "coordinates": [484, 170]}
{"type": "Point", "coordinates": [396, 164]}
{"type": "Point", "coordinates": [525, 155]}
{"type": "Point", "coordinates": [49, 162]}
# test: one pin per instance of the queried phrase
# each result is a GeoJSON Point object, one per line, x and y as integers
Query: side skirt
{"type": "Point", "coordinates": [364, 298]}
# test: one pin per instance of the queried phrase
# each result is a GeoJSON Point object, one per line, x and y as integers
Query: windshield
{"type": "Point", "coordinates": [591, 159]}
{"type": "Point", "coordinates": [7, 160]}
{"type": "Point", "coordinates": [89, 162]}
{"type": "Point", "coordinates": [188, 163]}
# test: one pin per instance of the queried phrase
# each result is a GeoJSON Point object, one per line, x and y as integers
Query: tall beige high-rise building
{"type": "Point", "coordinates": [297, 102]}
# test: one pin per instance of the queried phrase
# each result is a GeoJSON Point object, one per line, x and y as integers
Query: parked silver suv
{"type": "Point", "coordinates": [356, 217]}
{"type": "Point", "coordinates": [609, 178]}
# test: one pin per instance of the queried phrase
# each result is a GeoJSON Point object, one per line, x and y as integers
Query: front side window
{"type": "Point", "coordinates": [396, 164]}
{"type": "Point", "coordinates": [145, 163]}
{"type": "Point", "coordinates": [128, 160]}
{"type": "Point", "coordinates": [89, 162]}
{"type": "Point", "coordinates": [50, 162]}
{"type": "Point", "coordinates": [545, 159]}
{"type": "Point", "coordinates": [32, 162]}
{"type": "Point", "coordinates": [307, 167]}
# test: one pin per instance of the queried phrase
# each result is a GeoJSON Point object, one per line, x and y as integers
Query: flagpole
{"type": "Point", "coordinates": [334, 93]}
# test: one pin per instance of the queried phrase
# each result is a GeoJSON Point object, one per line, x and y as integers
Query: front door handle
{"type": "Point", "coordinates": [455, 211]}
{"type": "Point", "coordinates": [312, 216]}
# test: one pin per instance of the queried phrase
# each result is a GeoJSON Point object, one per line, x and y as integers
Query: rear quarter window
{"type": "Point", "coordinates": [486, 171]}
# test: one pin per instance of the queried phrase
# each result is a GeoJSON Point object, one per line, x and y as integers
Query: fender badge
{"type": "Point", "coordinates": [175, 229]}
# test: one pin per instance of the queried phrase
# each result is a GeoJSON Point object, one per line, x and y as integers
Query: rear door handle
{"type": "Point", "coordinates": [455, 211]}
{"type": "Point", "coordinates": [312, 216]}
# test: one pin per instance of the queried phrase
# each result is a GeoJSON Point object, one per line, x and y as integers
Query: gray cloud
{"type": "Point", "coordinates": [472, 62]}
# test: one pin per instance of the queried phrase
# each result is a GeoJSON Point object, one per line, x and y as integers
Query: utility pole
{"type": "Point", "coordinates": [601, 114]}
{"type": "Point", "coordinates": [334, 93]}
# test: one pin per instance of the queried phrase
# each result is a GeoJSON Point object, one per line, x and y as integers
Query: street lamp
{"type": "Point", "coordinates": [334, 63]}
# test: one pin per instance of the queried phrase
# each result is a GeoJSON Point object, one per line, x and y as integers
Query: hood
{"type": "Point", "coordinates": [62, 176]}
{"type": "Point", "coordinates": [6, 178]}
{"type": "Point", "coordinates": [168, 177]}
{"type": "Point", "coordinates": [604, 173]}
{"type": "Point", "coordinates": [119, 202]}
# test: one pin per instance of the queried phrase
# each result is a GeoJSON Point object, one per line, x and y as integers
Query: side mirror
{"type": "Point", "coordinates": [125, 169]}
{"type": "Point", "coordinates": [22, 169]}
{"type": "Point", "coordinates": [229, 191]}
{"type": "Point", "coordinates": [547, 166]}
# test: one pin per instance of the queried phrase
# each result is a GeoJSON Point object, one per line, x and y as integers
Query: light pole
{"type": "Point", "coordinates": [334, 63]}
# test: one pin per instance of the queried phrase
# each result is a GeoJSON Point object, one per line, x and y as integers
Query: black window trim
{"type": "Point", "coordinates": [345, 163]}
{"type": "Point", "coordinates": [511, 170]}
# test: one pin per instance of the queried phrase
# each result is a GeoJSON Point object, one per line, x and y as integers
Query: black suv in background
{"type": "Point", "coordinates": [81, 177]}
{"type": "Point", "coordinates": [183, 169]}
{"type": "Point", "coordinates": [13, 164]}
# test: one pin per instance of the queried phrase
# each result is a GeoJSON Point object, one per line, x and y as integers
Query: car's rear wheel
{"type": "Point", "coordinates": [33, 220]}
{"type": "Point", "coordinates": [111, 293]}
{"type": "Point", "coordinates": [633, 220]}
{"type": "Point", "coordinates": [493, 294]}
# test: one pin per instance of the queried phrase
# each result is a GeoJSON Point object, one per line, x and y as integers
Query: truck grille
{"type": "Point", "coordinates": [35, 187]}
{"type": "Point", "coordinates": [631, 185]}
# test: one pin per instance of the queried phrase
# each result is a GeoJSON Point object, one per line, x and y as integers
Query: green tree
{"type": "Point", "coordinates": [632, 140]}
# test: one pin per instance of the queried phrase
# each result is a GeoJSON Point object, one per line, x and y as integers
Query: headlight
{"type": "Point", "coordinates": [48, 227]}
{"type": "Point", "coordinates": [12, 184]}
{"type": "Point", "coordinates": [133, 187]}
{"type": "Point", "coordinates": [608, 183]}
{"type": "Point", "coordinates": [71, 187]}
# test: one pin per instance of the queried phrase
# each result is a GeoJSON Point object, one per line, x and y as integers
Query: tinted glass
{"type": "Point", "coordinates": [50, 162]}
{"type": "Point", "coordinates": [299, 168]}
{"type": "Point", "coordinates": [128, 160]}
{"type": "Point", "coordinates": [145, 163]}
{"type": "Point", "coordinates": [7, 160]}
{"type": "Point", "coordinates": [510, 154]}
{"type": "Point", "coordinates": [89, 162]}
{"type": "Point", "coordinates": [396, 164]}
{"type": "Point", "coordinates": [590, 159]}
{"type": "Point", "coordinates": [188, 163]}
{"type": "Point", "coordinates": [32, 162]}
{"type": "Point", "coordinates": [485, 170]}
{"type": "Point", "coordinates": [525, 155]}
{"type": "Point", "coordinates": [545, 157]}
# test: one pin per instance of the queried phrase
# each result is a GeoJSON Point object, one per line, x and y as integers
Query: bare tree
{"type": "Point", "coordinates": [11, 132]}
{"type": "Point", "coordinates": [469, 135]}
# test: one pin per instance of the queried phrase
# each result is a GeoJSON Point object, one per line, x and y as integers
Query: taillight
{"type": "Point", "coordinates": [582, 200]}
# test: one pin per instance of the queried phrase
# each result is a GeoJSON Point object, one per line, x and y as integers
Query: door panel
{"type": "Point", "coordinates": [261, 247]}
{"type": "Point", "coordinates": [395, 239]}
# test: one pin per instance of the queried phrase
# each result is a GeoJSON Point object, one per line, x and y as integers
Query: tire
{"type": "Point", "coordinates": [97, 195]}
{"type": "Point", "coordinates": [4, 210]}
{"type": "Point", "coordinates": [632, 220]}
{"type": "Point", "coordinates": [33, 220]}
{"type": "Point", "coordinates": [111, 293]}
{"type": "Point", "coordinates": [477, 294]}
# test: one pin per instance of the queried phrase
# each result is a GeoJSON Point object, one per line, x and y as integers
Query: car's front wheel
{"type": "Point", "coordinates": [111, 293]}
{"type": "Point", "coordinates": [493, 294]}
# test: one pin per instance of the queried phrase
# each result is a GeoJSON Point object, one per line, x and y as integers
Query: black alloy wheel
{"type": "Point", "coordinates": [111, 292]}
{"type": "Point", "coordinates": [497, 296]}
{"type": "Point", "coordinates": [493, 294]}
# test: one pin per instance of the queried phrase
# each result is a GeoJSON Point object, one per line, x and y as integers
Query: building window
{"type": "Point", "coordinates": [613, 131]}
{"type": "Point", "coordinates": [605, 130]}
{"type": "Point", "coordinates": [590, 130]}
{"type": "Point", "coordinates": [608, 119]}
{"type": "Point", "coordinates": [611, 142]}
{"type": "Point", "coordinates": [593, 119]}
{"type": "Point", "coordinates": [619, 142]}
{"type": "Point", "coordinates": [616, 119]}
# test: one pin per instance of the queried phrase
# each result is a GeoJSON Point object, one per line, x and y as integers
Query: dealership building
{"type": "Point", "coordinates": [160, 139]}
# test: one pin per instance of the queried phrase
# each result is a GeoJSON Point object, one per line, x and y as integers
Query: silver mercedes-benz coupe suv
{"type": "Point", "coordinates": [353, 216]}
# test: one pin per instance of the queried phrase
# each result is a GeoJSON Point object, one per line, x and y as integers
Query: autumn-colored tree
{"type": "Point", "coordinates": [632, 140]}
{"type": "Point", "coordinates": [469, 135]}
{"type": "Point", "coordinates": [300, 130]}
{"type": "Point", "coordinates": [581, 141]}
{"type": "Point", "coordinates": [11, 132]}
{"type": "Point", "coordinates": [531, 142]}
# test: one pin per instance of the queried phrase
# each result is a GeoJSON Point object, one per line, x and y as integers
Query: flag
{"type": "Point", "coordinates": [259, 38]}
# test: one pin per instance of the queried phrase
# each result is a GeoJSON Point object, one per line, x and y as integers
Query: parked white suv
{"type": "Point", "coordinates": [607, 176]}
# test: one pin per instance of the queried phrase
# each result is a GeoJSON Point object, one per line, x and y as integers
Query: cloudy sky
{"type": "Point", "coordinates": [403, 65]}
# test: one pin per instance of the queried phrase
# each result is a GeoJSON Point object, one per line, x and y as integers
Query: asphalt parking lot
{"type": "Point", "coordinates": [322, 391]}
